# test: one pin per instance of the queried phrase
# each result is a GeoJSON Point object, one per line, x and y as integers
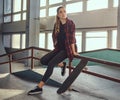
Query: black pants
{"type": "Point", "coordinates": [51, 60]}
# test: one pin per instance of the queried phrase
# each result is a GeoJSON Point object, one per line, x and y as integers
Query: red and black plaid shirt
{"type": "Point", "coordinates": [70, 38]}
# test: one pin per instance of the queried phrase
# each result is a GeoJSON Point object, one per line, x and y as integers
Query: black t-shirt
{"type": "Point", "coordinates": [61, 37]}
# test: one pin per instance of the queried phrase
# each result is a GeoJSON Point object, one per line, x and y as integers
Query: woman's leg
{"type": "Point", "coordinates": [46, 58]}
{"type": "Point", "coordinates": [51, 59]}
{"type": "Point", "coordinates": [59, 57]}
{"type": "Point", "coordinates": [44, 61]}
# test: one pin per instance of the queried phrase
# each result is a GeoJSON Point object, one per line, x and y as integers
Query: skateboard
{"type": "Point", "coordinates": [73, 75]}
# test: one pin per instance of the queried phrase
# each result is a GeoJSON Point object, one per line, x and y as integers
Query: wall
{"type": "Point", "coordinates": [14, 27]}
{"type": "Point", "coordinates": [100, 18]}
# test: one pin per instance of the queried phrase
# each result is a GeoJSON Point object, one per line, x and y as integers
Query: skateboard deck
{"type": "Point", "coordinates": [73, 75]}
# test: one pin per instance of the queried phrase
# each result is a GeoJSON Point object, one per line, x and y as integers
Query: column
{"type": "Point", "coordinates": [118, 33]}
{"type": "Point", "coordinates": [32, 23]}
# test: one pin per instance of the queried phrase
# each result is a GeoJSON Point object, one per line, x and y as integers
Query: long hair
{"type": "Point", "coordinates": [57, 21]}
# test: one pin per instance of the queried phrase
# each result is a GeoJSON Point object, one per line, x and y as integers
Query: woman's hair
{"type": "Point", "coordinates": [57, 21]}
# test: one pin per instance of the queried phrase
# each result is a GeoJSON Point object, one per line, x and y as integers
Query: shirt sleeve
{"type": "Point", "coordinates": [72, 33]}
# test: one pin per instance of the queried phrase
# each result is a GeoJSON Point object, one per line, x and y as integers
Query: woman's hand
{"type": "Point", "coordinates": [76, 54]}
{"type": "Point", "coordinates": [73, 50]}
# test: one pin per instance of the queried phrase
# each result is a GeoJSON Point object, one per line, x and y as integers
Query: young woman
{"type": "Point", "coordinates": [65, 47]}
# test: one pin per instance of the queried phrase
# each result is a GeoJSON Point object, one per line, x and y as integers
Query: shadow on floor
{"type": "Point", "coordinates": [29, 75]}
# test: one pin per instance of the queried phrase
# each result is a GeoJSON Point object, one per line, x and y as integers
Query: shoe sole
{"type": "Point", "coordinates": [34, 93]}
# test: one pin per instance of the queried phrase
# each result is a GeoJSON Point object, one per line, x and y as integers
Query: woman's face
{"type": "Point", "coordinates": [62, 13]}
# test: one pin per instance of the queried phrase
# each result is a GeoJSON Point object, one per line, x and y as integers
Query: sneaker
{"type": "Point", "coordinates": [36, 90]}
{"type": "Point", "coordinates": [63, 71]}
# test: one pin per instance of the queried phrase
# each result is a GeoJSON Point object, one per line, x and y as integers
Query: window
{"type": "Point", "coordinates": [114, 39]}
{"type": "Point", "coordinates": [24, 4]}
{"type": "Point", "coordinates": [52, 11]}
{"type": "Point", "coordinates": [23, 41]}
{"type": "Point", "coordinates": [43, 13]}
{"type": "Point", "coordinates": [42, 40]}
{"type": "Point", "coordinates": [54, 1]}
{"type": "Point", "coordinates": [7, 19]}
{"type": "Point", "coordinates": [7, 10]}
{"type": "Point", "coordinates": [24, 16]}
{"type": "Point", "coordinates": [115, 3]}
{"type": "Point", "coordinates": [6, 40]}
{"type": "Point", "coordinates": [79, 41]}
{"type": "Point", "coordinates": [96, 40]}
{"type": "Point", "coordinates": [7, 6]}
{"type": "Point", "coordinates": [77, 7]}
{"type": "Point", "coordinates": [50, 42]}
{"type": "Point", "coordinates": [96, 4]}
{"type": "Point", "coordinates": [16, 5]}
{"type": "Point", "coordinates": [43, 3]}
{"type": "Point", "coordinates": [14, 9]}
{"type": "Point", "coordinates": [16, 17]}
{"type": "Point", "coordinates": [16, 41]}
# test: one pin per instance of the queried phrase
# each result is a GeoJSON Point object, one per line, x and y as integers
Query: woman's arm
{"type": "Point", "coordinates": [73, 49]}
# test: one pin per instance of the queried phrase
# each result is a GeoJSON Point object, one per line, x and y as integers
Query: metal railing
{"type": "Point", "coordinates": [32, 57]}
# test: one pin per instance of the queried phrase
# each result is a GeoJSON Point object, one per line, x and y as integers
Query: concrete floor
{"type": "Point", "coordinates": [89, 87]}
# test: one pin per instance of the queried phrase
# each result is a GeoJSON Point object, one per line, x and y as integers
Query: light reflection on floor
{"type": "Point", "coordinates": [9, 93]}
